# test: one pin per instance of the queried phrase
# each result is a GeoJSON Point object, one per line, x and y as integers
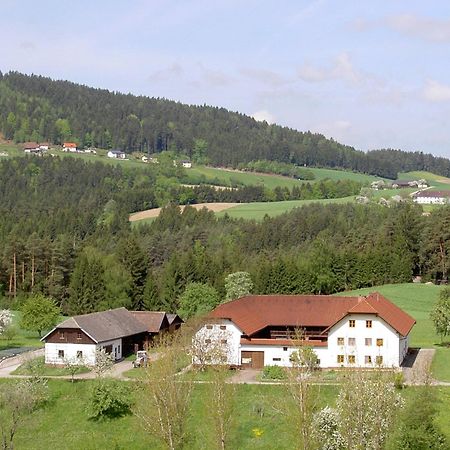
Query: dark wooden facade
{"type": "Point", "coordinates": [69, 336]}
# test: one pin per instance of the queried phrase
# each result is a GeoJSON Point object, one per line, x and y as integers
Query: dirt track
{"type": "Point", "coordinates": [151, 213]}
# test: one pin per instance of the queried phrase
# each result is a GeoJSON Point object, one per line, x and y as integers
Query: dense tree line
{"type": "Point", "coordinates": [37, 108]}
{"type": "Point", "coordinates": [64, 232]}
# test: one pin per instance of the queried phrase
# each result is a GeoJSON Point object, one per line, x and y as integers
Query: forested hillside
{"type": "Point", "coordinates": [39, 109]}
{"type": "Point", "coordinates": [64, 232]}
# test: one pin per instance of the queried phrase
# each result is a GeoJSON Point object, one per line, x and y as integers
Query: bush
{"type": "Point", "coordinates": [273, 373]}
{"type": "Point", "coordinates": [109, 400]}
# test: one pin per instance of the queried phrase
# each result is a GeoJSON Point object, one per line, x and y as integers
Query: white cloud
{"type": "Point", "coordinates": [175, 70]}
{"type": "Point", "coordinates": [263, 115]}
{"type": "Point", "coordinates": [427, 28]}
{"type": "Point", "coordinates": [264, 76]}
{"type": "Point", "coordinates": [341, 68]}
{"type": "Point", "coordinates": [436, 92]}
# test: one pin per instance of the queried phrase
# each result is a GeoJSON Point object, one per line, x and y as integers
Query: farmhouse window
{"type": "Point", "coordinates": [351, 359]}
{"type": "Point", "coordinates": [379, 360]}
{"type": "Point", "coordinates": [340, 340]}
{"type": "Point", "coordinates": [352, 342]}
{"type": "Point", "coordinates": [223, 327]}
{"type": "Point", "coordinates": [284, 349]}
{"type": "Point", "coordinates": [352, 323]}
{"type": "Point", "coordinates": [79, 354]}
{"type": "Point", "coordinates": [223, 341]}
{"type": "Point", "coordinates": [379, 342]}
{"type": "Point", "coordinates": [368, 342]}
{"type": "Point", "coordinates": [79, 336]}
{"type": "Point", "coordinates": [340, 359]}
{"type": "Point", "coordinates": [61, 334]}
{"type": "Point", "coordinates": [60, 353]}
{"type": "Point", "coordinates": [368, 359]}
{"type": "Point", "coordinates": [368, 324]}
{"type": "Point", "coordinates": [209, 327]}
{"type": "Point", "coordinates": [207, 341]}
{"type": "Point", "coordinates": [276, 359]}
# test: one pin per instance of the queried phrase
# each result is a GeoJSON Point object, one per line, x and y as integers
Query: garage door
{"type": "Point", "coordinates": [252, 360]}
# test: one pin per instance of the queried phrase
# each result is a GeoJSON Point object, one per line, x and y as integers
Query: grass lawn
{"type": "Point", "coordinates": [258, 210]}
{"type": "Point", "coordinates": [23, 338]}
{"type": "Point", "coordinates": [418, 300]}
{"type": "Point", "coordinates": [64, 423]}
{"type": "Point", "coordinates": [44, 370]}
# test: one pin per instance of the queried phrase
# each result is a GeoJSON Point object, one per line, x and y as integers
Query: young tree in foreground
{"type": "Point", "coordinates": [17, 402]}
{"type": "Point", "coordinates": [417, 429]}
{"type": "Point", "coordinates": [39, 313]}
{"type": "Point", "coordinates": [440, 315]}
{"type": "Point", "coordinates": [163, 399]}
{"type": "Point", "coordinates": [73, 366]}
{"type": "Point", "coordinates": [103, 362]}
{"type": "Point", "coordinates": [302, 393]}
{"type": "Point", "coordinates": [237, 285]}
{"type": "Point", "coordinates": [367, 404]}
{"type": "Point", "coordinates": [220, 404]}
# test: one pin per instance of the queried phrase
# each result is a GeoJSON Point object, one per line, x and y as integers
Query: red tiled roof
{"type": "Point", "coordinates": [255, 312]}
{"type": "Point", "coordinates": [69, 144]}
{"type": "Point", "coordinates": [434, 194]}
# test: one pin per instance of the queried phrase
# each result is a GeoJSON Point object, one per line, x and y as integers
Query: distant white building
{"type": "Point", "coordinates": [186, 164]}
{"type": "Point", "coordinates": [70, 147]}
{"type": "Point", "coordinates": [117, 154]}
{"type": "Point", "coordinates": [432, 197]}
{"type": "Point", "coordinates": [257, 331]}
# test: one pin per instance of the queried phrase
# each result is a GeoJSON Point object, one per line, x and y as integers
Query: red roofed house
{"type": "Point", "coordinates": [427, 197]}
{"type": "Point", "coordinates": [70, 147]}
{"type": "Point", "coordinates": [257, 330]}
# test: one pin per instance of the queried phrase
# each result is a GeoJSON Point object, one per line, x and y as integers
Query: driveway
{"type": "Point", "coordinates": [9, 365]}
{"type": "Point", "coordinates": [245, 376]}
{"type": "Point", "coordinates": [416, 366]}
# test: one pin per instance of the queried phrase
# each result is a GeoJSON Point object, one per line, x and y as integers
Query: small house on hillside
{"type": "Point", "coordinates": [432, 197]}
{"type": "Point", "coordinates": [70, 147]}
{"type": "Point", "coordinates": [118, 331]}
{"type": "Point", "coordinates": [186, 164]}
{"type": "Point", "coordinates": [117, 154]}
{"type": "Point", "coordinates": [44, 146]}
{"type": "Point", "coordinates": [32, 148]}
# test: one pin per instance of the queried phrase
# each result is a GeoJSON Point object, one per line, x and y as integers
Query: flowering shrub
{"type": "Point", "coordinates": [5, 319]}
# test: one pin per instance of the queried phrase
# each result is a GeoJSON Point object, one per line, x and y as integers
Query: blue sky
{"type": "Point", "coordinates": [369, 74]}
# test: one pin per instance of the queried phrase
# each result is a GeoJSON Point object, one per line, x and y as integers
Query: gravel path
{"type": "Point", "coordinates": [416, 367]}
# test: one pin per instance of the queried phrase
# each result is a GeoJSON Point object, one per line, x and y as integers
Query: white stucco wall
{"type": "Point", "coordinates": [273, 352]}
{"type": "Point", "coordinates": [70, 352]}
{"type": "Point", "coordinates": [202, 348]}
{"type": "Point", "coordinates": [392, 351]}
{"type": "Point", "coordinates": [88, 351]}
{"type": "Point", "coordinates": [380, 330]}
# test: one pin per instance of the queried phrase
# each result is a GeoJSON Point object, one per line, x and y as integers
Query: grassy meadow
{"type": "Point", "coordinates": [258, 424]}
{"type": "Point", "coordinates": [418, 301]}
{"type": "Point", "coordinates": [22, 337]}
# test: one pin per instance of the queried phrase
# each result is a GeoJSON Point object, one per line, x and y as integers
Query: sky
{"type": "Point", "coordinates": [371, 74]}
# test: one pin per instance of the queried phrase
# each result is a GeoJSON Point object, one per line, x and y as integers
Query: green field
{"type": "Point", "coordinates": [22, 338]}
{"type": "Point", "coordinates": [259, 210]}
{"type": "Point", "coordinates": [64, 423]}
{"type": "Point", "coordinates": [418, 300]}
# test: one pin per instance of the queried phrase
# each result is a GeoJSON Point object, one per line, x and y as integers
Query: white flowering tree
{"type": "Point", "coordinates": [326, 430]}
{"type": "Point", "coordinates": [5, 320]}
{"type": "Point", "coordinates": [103, 362]}
{"type": "Point", "coordinates": [366, 405]}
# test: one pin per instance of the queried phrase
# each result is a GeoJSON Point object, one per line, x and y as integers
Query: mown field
{"type": "Point", "coordinates": [64, 422]}
{"type": "Point", "coordinates": [22, 337]}
{"type": "Point", "coordinates": [418, 301]}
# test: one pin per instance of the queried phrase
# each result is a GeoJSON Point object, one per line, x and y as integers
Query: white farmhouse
{"type": "Point", "coordinates": [117, 154]}
{"type": "Point", "coordinates": [117, 331]}
{"type": "Point", "coordinates": [432, 197]}
{"type": "Point", "coordinates": [258, 330]}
